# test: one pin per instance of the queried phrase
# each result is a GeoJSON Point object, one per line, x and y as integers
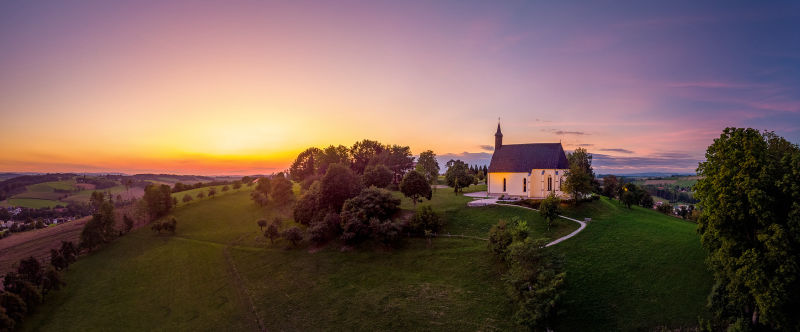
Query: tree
{"type": "Point", "coordinates": [158, 200]}
{"type": "Point", "coordinates": [237, 185]}
{"type": "Point", "coordinates": [580, 176]}
{"type": "Point", "coordinates": [397, 158]}
{"type": "Point", "coordinates": [415, 186]}
{"type": "Point", "coordinates": [96, 199]}
{"type": "Point", "coordinates": [211, 192]}
{"type": "Point", "coordinates": [362, 152]}
{"type": "Point", "coordinates": [272, 232]}
{"type": "Point", "coordinates": [610, 186]}
{"type": "Point", "coordinates": [15, 307]}
{"type": "Point", "coordinates": [457, 175]}
{"type": "Point", "coordinates": [69, 251]}
{"type": "Point", "coordinates": [749, 192]}
{"type": "Point", "coordinates": [425, 219]}
{"type": "Point", "coordinates": [100, 228]}
{"type": "Point", "coordinates": [264, 186]}
{"type": "Point", "coordinates": [339, 184]}
{"type": "Point", "coordinates": [630, 195]}
{"type": "Point", "coordinates": [225, 188]}
{"type": "Point", "coordinates": [357, 213]}
{"type": "Point", "coordinates": [293, 235]}
{"type": "Point", "coordinates": [323, 230]}
{"type": "Point", "coordinates": [187, 198]}
{"type": "Point", "coordinates": [30, 270]}
{"type": "Point", "coordinates": [550, 208]}
{"type": "Point", "coordinates": [377, 175]}
{"type": "Point", "coordinates": [308, 208]}
{"type": "Point", "coordinates": [52, 280]}
{"type": "Point", "coordinates": [646, 201]}
{"type": "Point", "coordinates": [333, 155]}
{"type": "Point", "coordinates": [534, 281]}
{"type": "Point", "coordinates": [6, 322]}
{"type": "Point", "coordinates": [305, 164]}
{"type": "Point", "coordinates": [57, 260]}
{"type": "Point", "coordinates": [281, 192]}
{"type": "Point", "coordinates": [201, 195]}
{"type": "Point", "coordinates": [499, 239]}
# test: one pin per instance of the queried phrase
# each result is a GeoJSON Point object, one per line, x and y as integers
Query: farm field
{"type": "Point", "coordinates": [37, 243]}
{"type": "Point", "coordinates": [218, 268]}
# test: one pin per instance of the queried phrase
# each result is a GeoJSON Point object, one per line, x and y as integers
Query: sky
{"type": "Point", "coordinates": [240, 87]}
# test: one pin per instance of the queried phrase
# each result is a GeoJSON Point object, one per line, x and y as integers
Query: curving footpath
{"type": "Point", "coordinates": [481, 198]}
{"type": "Point", "coordinates": [561, 239]}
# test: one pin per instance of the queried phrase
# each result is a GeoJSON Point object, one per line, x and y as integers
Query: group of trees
{"type": "Point", "coordinates": [100, 228]}
{"type": "Point", "coordinates": [179, 187]}
{"type": "Point", "coordinates": [276, 189]}
{"type": "Point", "coordinates": [460, 175]}
{"type": "Point", "coordinates": [313, 163]}
{"type": "Point", "coordinates": [166, 225]}
{"type": "Point", "coordinates": [749, 192]}
{"type": "Point", "coordinates": [534, 276]}
{"type": "Point", "coordinates": [24, 289]}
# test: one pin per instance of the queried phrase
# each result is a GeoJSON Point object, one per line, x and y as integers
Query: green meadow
{"type": "Point", "coordinates": [628, 270]}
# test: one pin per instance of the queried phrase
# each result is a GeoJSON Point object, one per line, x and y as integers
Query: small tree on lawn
{"type": "Point", "coordinates": [415, 186]}
{"type": "Point", "coordinates": [212, 191]}
{"type": "Point", "coordinates": [187, 198]}
{"type": "Point", "coordinates": [201, 195]}
{"type": "Point", "coordinates": [425, 219]}
{"type": "Point", "coordinates": [262, 223]}
{"type": "Point", "coordinates": [549, 209]}
{"type": "Point", "coordinates": [293, 235]}
{"type": "Point", "coordinates": [271, 232]}
{"type": "Point", "coordinates": [226, 188]}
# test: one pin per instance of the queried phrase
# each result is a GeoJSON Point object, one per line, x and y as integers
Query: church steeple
{"type": "Point", "coordinates": [498, 138]}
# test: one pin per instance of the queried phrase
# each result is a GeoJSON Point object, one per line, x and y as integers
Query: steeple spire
{"type": "Point", "coordinates": [498, 137]}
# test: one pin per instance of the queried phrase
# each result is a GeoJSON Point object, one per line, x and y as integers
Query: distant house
{"type": "Point", "coordinates": [532, 170]}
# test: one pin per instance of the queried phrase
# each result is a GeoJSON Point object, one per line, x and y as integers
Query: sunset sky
{"type": "Point", "coordinates": [240, 87]}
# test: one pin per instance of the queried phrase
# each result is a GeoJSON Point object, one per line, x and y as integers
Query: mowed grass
{"type": "Point", "coordinates": [632, 270]}
{"type": "Point", "coordinates": [146, 281]}
{"type": "Point", "coordinates": [627, 270]}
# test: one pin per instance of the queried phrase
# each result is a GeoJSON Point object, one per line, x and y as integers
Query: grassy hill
{"type": "Point", "coordinates": [633, 270]}
{"type": "Point", "coordinates": [219, 273]}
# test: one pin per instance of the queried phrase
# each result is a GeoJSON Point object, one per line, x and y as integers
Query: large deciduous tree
{"type": "Point", "coordinates": [415, 186]}
{"type": "Point", "coordinates": [580, 176]}
{"type": "Point", "coordinates": [610, 186]}
{"type": "Point", "coordinates": [158, 199]}
{"type": "Point", "coordinates": [750, 223]}
{"type": "Point", "coordinates": [427, 165]}
{"type": "Point", "coordinates": [377, 175]}
{"type": "Point", "coordinates": [281, 192]}
{"type": "Point", "coordinates": [458, 175]}
{"type": "Point", "coordinates": [362, 152]}
{"type": "Point", "coordinates": [339, 184]}
{"type": "Point", "coordinates": [305, 164]}
{"type": "Point", "coordinates": [333, 155]}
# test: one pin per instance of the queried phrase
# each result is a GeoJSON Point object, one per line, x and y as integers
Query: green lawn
{"type": "Point", "coordinates": [627, 270]}
{"type": "Point", "coordinates": [632, 270]}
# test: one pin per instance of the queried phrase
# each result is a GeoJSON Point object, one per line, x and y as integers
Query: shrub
{"type": "Point", "coordinates": [549, 209]}
{"type": "Point", "coordinates": [426, 219]}
{"type": "Point", "coordinates": [14, 305]}
{"type": "Point", "coordinates": [534, 282]}
{"type": "Point", "coordinates": [187, 198]}
{"type": "Point", "coordinates": [385, 231]}
{"type": "Point", "coordinates": [225, 188]}
{"type": "Point", "coordinates": [271, 232]}
{"type": "Point", "coordinates": [237, 185]}
{"type": "Point", "coordinates": [499, 239]}
{"type": "Point", "coordinates": [377, 175]}
{"type": "Point", "coordinates": [293, 235]}
{"type": "Point", "coordinates": [371, 203]}
{"type": "Point", "coordinates": [261, 224]}
{"type": "Point", "coordinates": [323, 230]}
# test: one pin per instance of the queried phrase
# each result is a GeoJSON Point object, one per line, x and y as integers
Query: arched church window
{"type": "Point", "coordinates": [524, 185]}
{"type": "Point", "coordinates": [504, 184]}
{"type": "Point", "coordinates": [549, 183]}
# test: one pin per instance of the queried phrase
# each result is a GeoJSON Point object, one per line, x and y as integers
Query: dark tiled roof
{"type": "Point", "coordinates": [526, 157]}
